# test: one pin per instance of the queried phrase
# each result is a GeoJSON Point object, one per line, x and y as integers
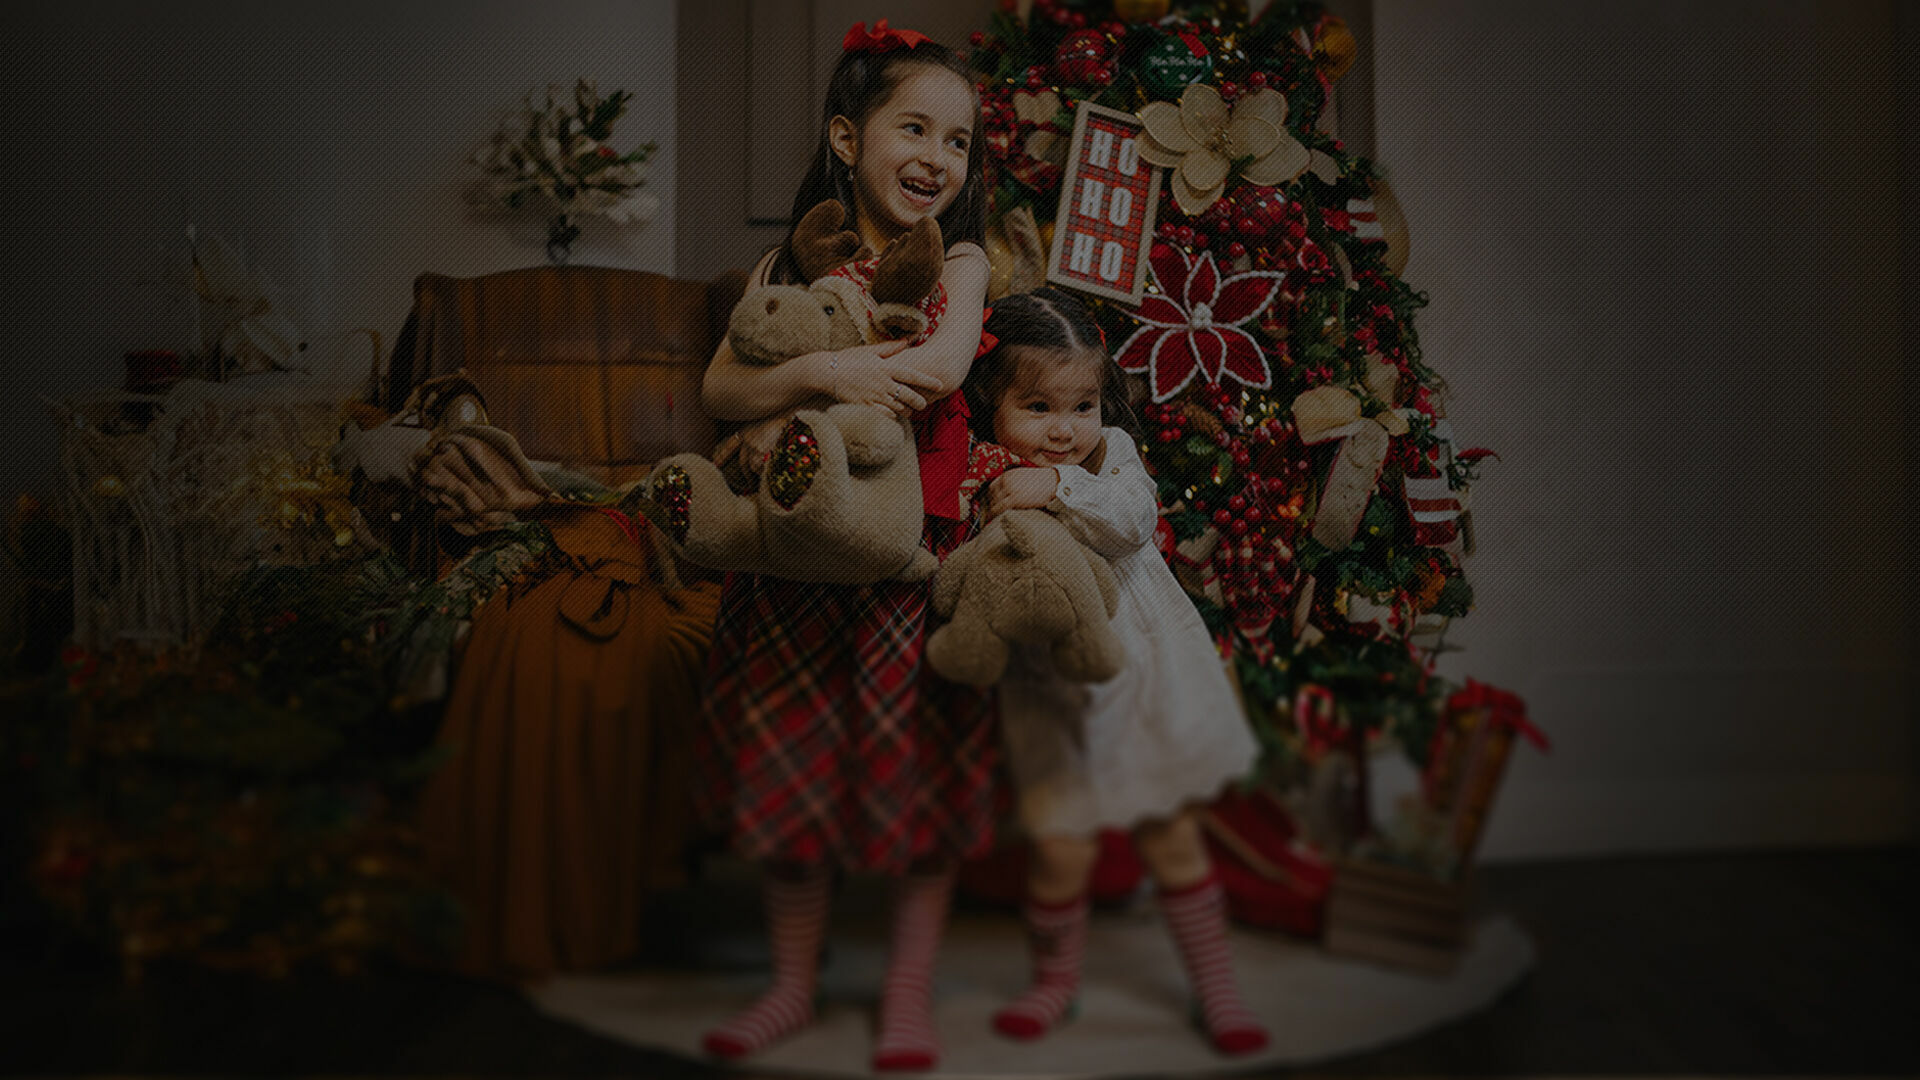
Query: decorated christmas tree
{"type": "Point", "coordinates": [1313, 499]}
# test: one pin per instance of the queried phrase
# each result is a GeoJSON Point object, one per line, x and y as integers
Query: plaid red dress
{"type": "Point", "coordinates": [824, 737]}
{"type": "Point", "coordinates": [827, 739]}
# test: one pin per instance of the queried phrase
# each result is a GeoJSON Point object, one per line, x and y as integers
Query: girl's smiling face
{"type": "Point", "coordinates": [909, 160]}
{"type": "Point", "coordinates": [1050, 413]}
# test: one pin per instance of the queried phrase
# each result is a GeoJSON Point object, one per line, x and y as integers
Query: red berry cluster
{"type": "Point", "coordinates": [1085, 58]}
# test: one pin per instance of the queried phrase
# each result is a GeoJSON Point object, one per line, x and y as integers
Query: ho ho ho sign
{"type": "Point", "coordinates": [1107, 205]}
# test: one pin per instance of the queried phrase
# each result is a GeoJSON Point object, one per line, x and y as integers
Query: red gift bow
{"type": "Point", "coordinates": [988, 341]}
{"type": "Point", "coordinates": [1503, 708]}
{"type": "Point", "coordinates": [1315, 716]}
{"type": "Point", "coordinates": [880, 39]}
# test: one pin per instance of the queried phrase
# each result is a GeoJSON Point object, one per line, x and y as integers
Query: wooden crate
{"type": "Point", "coordinates": [1397, 916]}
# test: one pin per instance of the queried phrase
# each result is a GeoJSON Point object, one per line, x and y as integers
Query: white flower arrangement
{"type": "Point", "coordinates": [555, 151]}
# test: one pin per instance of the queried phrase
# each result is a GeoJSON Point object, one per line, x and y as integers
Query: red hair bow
{"type": "Point", "coordinates": [882, 38]}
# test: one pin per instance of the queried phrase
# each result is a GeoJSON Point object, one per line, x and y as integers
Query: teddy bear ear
{"type": "Point", "coordinates": [1020, 543]}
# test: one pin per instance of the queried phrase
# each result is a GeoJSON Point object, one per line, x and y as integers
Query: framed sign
{"type": "Point", "coordinates": [1108, 201]}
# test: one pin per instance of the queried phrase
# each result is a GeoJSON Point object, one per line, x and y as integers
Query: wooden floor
{"type": "Point", "coordinates": [1748, 964]}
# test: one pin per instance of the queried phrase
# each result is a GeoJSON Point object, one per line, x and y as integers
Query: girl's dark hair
{"type": "Point", "coordinates": [1050, 321]}
{"type": "Point", "coordinates": [860, 84]}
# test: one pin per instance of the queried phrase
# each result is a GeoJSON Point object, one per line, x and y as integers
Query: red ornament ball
{"type": "Point", "coordinates": [1082, 54]}
{"type": "Point", "coordinates": [976, 39]}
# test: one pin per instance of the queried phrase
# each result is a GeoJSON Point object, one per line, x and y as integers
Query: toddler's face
{"type": "Point", "coordinates": [1051, 415]}
{"type": "Point", "coordinates": [910, 158]}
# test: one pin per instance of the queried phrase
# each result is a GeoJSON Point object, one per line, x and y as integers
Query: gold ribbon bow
{"type": "Point", "coordinates": [1331, 412]}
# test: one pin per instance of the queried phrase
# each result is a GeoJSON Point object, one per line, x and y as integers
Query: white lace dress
{"type": "Point", "coordinates": [1164, 732]}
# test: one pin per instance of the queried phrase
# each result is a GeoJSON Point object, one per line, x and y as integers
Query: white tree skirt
{"type": "Point", "coordinates": [1134, 1005]}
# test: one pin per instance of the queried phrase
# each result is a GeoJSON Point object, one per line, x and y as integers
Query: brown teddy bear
{"type": "Point", "coordinates": [1025, 580]}
{"type": "Point", "coordinates": [840, 500]}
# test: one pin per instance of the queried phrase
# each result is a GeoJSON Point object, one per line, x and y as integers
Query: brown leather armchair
{"type": "Point", "coordinates": [594, 368]}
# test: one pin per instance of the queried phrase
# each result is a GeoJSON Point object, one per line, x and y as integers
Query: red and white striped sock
{"type": "Point", "coordinates": [1197, 919]}
{"type": "Point", "coordinates": [908, 1041]}
{"type": "Point", "coordinates": [797, 907]}
{"type": "Point", "coordinates": [1057, 936]}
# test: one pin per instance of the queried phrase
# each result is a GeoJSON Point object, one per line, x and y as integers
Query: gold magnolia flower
{"type": "Point", "coordinates": [1202, 139]}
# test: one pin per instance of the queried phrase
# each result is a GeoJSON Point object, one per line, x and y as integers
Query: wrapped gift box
{"type": "Point", "coordinates": [1468, 758]}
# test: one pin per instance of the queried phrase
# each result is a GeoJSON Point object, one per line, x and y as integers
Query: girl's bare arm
{"type": "Point", "coordinates": [945, 357]}
{"type": "Point", "coordinates": [735, 390]}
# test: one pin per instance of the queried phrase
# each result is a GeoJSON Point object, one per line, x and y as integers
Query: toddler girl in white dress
{"type": "Point", "coordinates": [1138, 750]}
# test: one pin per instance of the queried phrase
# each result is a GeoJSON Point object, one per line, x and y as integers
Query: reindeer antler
{"type": "Point", "coordinates": [821, 246]}
{"type": "Point", "coordinates": [910, 267]}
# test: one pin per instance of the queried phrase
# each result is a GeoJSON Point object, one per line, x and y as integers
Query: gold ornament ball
{"type": "Point", "coordinates": [1335, 51]}
{"type": "Point", "coordinates": [1139, 11]}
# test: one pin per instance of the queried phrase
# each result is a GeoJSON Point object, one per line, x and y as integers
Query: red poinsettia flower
{"type": "Point", "coordinates": [1193, 324]}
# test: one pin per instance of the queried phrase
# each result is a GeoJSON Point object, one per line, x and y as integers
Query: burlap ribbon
{"type": "Point", "coordinates": [1330, 412]}
{"type": "Point", "coordinates": [1016, 257]}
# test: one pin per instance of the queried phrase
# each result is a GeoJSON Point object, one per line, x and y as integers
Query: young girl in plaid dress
{"type": "Point", "coordinates": [826, 742]}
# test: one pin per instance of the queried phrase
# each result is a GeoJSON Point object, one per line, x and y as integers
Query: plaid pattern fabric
{"type": "Point", "coordinates": [826, 739]}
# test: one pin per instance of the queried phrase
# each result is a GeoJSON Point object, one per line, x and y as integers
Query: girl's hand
{"type": "Point", "coordinates": [750, 447]}
{"type": "Point", "coordinates": [1021, 489]}
{"type": "Point", "coordinates": [468, 482]}
{"type": "Point", "coordinates": [868, 375]}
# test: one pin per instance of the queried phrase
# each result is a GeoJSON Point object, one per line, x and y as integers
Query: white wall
{"type": "Point", "coordinates": [1660, 243]}
{"type": "Point", "coordinates": [329, 141]}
